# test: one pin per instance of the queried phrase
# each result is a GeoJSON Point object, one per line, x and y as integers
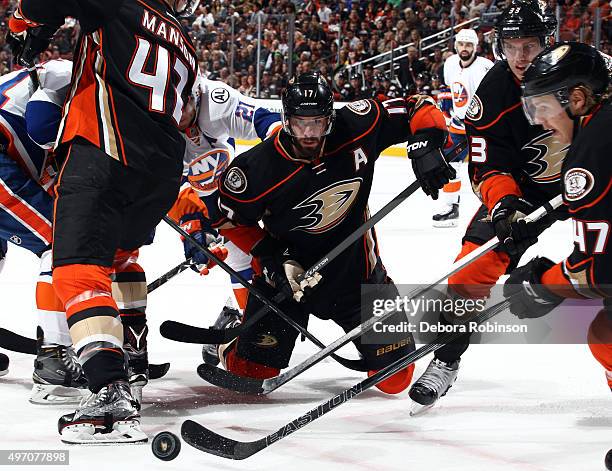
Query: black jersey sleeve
{"type": "Point", "coordinates": [384, 123]}
{"type": "Point", "coordinates": [400, 118]}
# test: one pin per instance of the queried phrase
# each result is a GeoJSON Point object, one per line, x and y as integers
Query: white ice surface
{"type": "Point", "coordinates": [512, 408]}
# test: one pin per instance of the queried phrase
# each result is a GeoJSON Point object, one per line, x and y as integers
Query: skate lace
{"type": "Point", "coordinates": [69, 359]}
{"type": "Point", "coordinates": [436, 377]}
{"type": "Point", "coordinates": [95, 399]}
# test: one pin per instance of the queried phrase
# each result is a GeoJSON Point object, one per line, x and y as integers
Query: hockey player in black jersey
{"type": "Point", "coordinates": [309, 185]}
{"type": "Point", "coordinates": [514, 167]}
{"type": "Point", "coordinates": [565, 90]}
{"type": "Point", "coordinates": [122, 150]}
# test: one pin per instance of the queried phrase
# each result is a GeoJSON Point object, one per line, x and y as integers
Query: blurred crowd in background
{"type": "Point", "coordinates": [331, 36]}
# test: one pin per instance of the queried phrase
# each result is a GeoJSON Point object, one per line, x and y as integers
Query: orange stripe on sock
{"type": "Point", "coordinates": [452, 187]}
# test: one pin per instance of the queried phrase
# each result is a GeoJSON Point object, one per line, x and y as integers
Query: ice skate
{"type": "Point", "coordinates": [135, 347]}
{"type": "Point", "coordinates": [107, 417]}
{"type": "Point", "coordinates": [432, 385]}
{"type": "Point", "coordinates": [58, 376]}
{"type": "Point", "coordinates": [229, 317]}
{"type": "Point", "coordinates": [4, 364]}
{"type": "Point", "coordinates": [448, 217]}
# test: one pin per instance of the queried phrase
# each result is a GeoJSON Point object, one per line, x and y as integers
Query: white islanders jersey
{"type": "Point", "coordinates": [463, 83]}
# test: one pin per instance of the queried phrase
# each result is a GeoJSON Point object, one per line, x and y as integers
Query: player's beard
{"type": "Point", "coordinates": [466, 56]}
{"type": "Point", "coordinates": [308, 148]}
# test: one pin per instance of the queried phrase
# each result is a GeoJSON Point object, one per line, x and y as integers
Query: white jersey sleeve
{"type": "Point", "coordinates": [225, 111]}
{"type": "Point", "coordinates": [43, 110]}
{"type": "Point", "coordinates": [54, 77]}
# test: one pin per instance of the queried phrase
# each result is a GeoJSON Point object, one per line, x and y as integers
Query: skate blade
{"type": "Point", "coordinates": [417, 409]}
{"type": "Point", "coordinates": [126, 431]}
{"type": "Point", "coordinates": [137, 392]}
{"type": "Point", "coordinates": [3, 372]}
{"type": "Point", "coordinates": [452, 223]}
{"type": "Point", "coordinates": [50, 394]}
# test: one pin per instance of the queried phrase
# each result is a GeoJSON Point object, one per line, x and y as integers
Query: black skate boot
{"type": "Point", "coordinates": [58, 376]}
{"type": "Point", "coordinates": [108, 416]}
{"type": "Point", "coordinates": [135, 346]}
{"type": "Point", "coordinates": [229, 317]}
{"type": "Point", "coordinates": [4, 364]}
{"type": "Point", "coordinates": [433, 384]}
{"type": "Point", "coordinates": [448, 217]}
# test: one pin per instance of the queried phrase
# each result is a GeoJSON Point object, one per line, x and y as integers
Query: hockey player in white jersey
{"type": "Point", "coordinates": [220, 116]}
{"type": "Point", "coordinates": [29, 120]}
{"type": "Point", "coordinates": [463, 73]}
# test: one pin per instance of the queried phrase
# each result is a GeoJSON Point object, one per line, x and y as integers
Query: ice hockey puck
{"type": "Point", "coordinates": [166, 446]}
{"type": "Point", "coordinates": [609, 460]}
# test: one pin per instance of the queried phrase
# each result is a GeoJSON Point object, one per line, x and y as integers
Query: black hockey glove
{"type": "Point", "coordinates": [28, 45]}
{"type": "Point", "coordinates": [281, 270]}
{"type": "Point", "coordinates": [430, 167]}
{"type": "Point", "coordinates": [515, 234]}
{"type": "Point", "coordinates": [528, 296]}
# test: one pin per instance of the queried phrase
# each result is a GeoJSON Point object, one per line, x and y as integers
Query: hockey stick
{"type": "Point", "coordinates": [186, 333]}
{"type": "Point", "coordinates": [208, 441]}
{"type": "Point", "coordinates": [18, 343]}
{"type": "Point", "coordinates": [225, 379]}
{"type": "Point", "coordinates": [268, 305]}
{"type": "Point", "coordinates": [169, 275]}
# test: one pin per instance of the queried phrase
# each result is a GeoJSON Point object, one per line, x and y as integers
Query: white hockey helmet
{"type": "Point", "coordinates": [466, 35]}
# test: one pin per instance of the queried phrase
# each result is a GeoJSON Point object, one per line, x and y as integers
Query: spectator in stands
{"type": "Point", "coordinates": [410, 67]}
{"type": "Point", "coordinates": [327, 34]}
{"type": "Point", "coordinates": [324, 12]}
{"type": "Point", "coordinates": [437, 63]}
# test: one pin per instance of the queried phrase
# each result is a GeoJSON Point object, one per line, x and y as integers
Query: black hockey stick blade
{"type": "Point", "coordinates": [180, 332]}
{"type": "Point", "coordinates": [17, 343]}
{"type": "Point", "coordinates": [157, 371]}
{"type": "Point", "coordinates": [206, 440]}
{"type": "Point", "coordinates": [225, 379]}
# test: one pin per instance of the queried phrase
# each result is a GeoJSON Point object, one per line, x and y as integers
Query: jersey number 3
{"type": "Point", "coordinates": [157, 82]}
{"type": "Point", "coordinates": [478, 149]}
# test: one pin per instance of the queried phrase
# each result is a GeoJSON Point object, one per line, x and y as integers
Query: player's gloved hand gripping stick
{"type": "Point", "coordinates": [208, 441]}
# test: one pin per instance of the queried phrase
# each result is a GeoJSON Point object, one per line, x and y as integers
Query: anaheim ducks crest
{"type": "Point", "coordinates": [545, 166]}
{"type": "Point", "coordinates": [328, 207]}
